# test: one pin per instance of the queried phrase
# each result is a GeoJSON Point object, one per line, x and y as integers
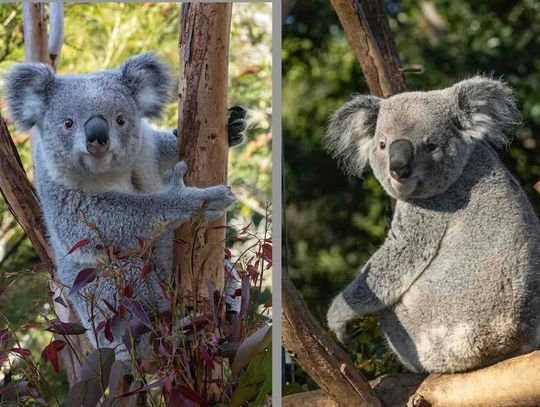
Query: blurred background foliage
{"type": "Point", "coordinates": [100, 36]}
{"type": "Point", "coordinates": [334, 223]}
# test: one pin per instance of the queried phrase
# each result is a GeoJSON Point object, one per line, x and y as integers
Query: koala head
{"type": "Point", "coordinates": [89, 124]}
{"type": "Point", "coordinates": [418, 143]}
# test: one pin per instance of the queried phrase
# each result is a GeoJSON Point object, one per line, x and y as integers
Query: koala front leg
{"type": "Point", "coordinates": [388, 274]}
{"type": "Point", "coordinates": [123, 216]}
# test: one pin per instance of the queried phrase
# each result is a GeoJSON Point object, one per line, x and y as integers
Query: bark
{"type": "Point", "coordinates": [511, 382]}
{"type": "Point", "coordinates": [35, 32]}
{"type": "Point", "coordinates": [202, 119]}
{"type": "Point", "coordinates": [286, 7]}
{"type": "Point", "coordinates": [321, 357]}
{"type": "Point", "coordinates": [367, 29]}
{"type": "Point", "coordinates": [202, 128]}
{"type": "Point", "coordinates": [56, 32]}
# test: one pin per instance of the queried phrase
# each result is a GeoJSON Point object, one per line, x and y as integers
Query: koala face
{"type": "Point", "coordinates": [89, 125]}
{"type": "Point", "coordinates": [418, 143]}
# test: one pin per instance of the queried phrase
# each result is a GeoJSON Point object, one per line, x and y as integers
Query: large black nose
{"type": "Point", "coordinates": [96, 130]}
{"type": "Point", "coordinates": [401, 155]}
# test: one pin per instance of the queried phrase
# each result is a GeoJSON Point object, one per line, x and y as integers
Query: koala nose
{"type": "Point", "coordinates": [96, 130]}
{"type": "Point", "coordinates": [401, 155]}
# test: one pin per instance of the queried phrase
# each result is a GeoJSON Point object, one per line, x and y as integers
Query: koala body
{"type": "Point", "coordinates": [456, 284]}
{"type": "Point", "coordinates": [95, 154]}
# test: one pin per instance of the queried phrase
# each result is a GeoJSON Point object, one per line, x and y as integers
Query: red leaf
{"type": "Point", "coordinates": [147, 268]}
{"type": "Point", "coordinates": [4, 338]}
{"type": "Point", "coordinates": [21, 351]}
{"type": "Point", "coordinates": [138, 311]}
{"type": "Point", "coordinates": [228, 254]}
{"type": "Point", "coordinates": [205, 356]}
{"type": "Point", "coordinates": [60, 300]}
{"type": "Point", "coordinates": [140, 241]}
{"type": "Point", "coordinates": [253, 273]}
{"type": "Point", "coordinates": [51, 353]}
{"type": "Point", "coordinates": [128, 290]}
{"type": "Point", "coordinates": [65, 328]}
{"type": "Point", "coordinates": [190, 395]}
{"type": "Point", "coordinates": [108, 331]}
{"type": "Point", "coordinates": [84, 277]}
{"type": "Point", "coordinates": [111, 308]}
{"type": "Point", "coordinates": [32, 325]}
{"type": "Point", "coordinates": [78, 245]}
{"type": "Point", "coordinates": [163, 351]}
{"type": "Point", "coordinates": [267, 253]}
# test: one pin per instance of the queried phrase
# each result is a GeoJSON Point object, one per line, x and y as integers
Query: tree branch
{"type": "Point", "coordinates": [321, 357]}
{"type": "Point", "coordinates": [369, 34]}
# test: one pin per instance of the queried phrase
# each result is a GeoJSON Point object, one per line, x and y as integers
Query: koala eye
{"type": "Point", "coordinates": [382, 145]}
{"type": "Point", "coordinates": [68, 124]}
{"type": "Point", "coordinates": [431, 147]}
{"type": "Point", "coordinates": [120, 120]}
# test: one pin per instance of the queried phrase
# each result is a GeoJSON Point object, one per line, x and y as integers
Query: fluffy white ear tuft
{"type": "Point", "coordinates": [350, 131]}
{"type": "Point", "coordinates": [27, 86]}
{"type": "Point", "coordinates": [487, 109]}
{"type": "Point", "coordinates": [149, 79]}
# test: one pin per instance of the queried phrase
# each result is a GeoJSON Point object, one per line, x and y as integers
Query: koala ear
{"type": "Point", "coordinates": [26, 89]}
{"type": "Point", "coordinates": [350, 132]}
{"type": "Point", "coordinates": [149, 79]}
{"type": "Point", "coordinates": [487, 109]}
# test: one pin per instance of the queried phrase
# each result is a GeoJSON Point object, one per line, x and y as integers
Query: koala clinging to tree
{"type": "Point", "coordinates": [456, 284]}
{"type": "Point", "coordinates": [94, 154]}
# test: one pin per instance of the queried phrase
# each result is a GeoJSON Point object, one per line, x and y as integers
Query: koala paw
{"type": "Point", "coordinates": [345, 332]}
{"type": "Point", "coordinates": [236, 125]}
{"type": "Point", "coordinates": [175, 176]}
{"type": "Point", "coordinates": [218, 198]}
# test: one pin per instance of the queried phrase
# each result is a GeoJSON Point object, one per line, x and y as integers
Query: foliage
{"type": "Point", "coordinates": [335, 223]}
{"type": "Point", "coordinates": [199, 333]}
{"type": "Point", "coordinates": [100, 36]}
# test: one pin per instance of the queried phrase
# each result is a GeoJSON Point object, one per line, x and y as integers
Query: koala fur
{"type": "Point", "coordinates": [456, 283]}
{"type": "Point", "coordinates": [126, 191]}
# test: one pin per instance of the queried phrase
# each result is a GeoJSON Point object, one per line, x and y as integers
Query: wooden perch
{"type": "Point", "coordinates": [202, 119]}
{"type": "Point", "coordinates": [321, 357]}
{"type": "Point", "coordinates": [512, 382]}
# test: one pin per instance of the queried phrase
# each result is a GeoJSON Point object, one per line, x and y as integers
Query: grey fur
{"type": "Point", "coordinates": [456, 284]}
{"type": "Point", "coordinates": [136, 187]}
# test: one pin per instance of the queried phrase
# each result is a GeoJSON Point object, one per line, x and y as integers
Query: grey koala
{"type": "Point", "coordinates": [455, 285]}
{"type": "Point", "coordinates": [94, 153]}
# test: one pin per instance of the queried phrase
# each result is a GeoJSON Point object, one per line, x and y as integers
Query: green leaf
{"type": "Point", "coordinates": [254, 381]}
{"type": "Point", "coordinates": [256, 343]}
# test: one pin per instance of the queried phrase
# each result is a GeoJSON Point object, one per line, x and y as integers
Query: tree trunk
{"type": "Point", "coordinates": [202, 128]}
{"type": "Point", "coordinates": [19, 193]}
{"type": "Point", "coordinates": [35, 32]}
{"type": "Point", "coordinates": [321, 357]}
{"type": "Point", "coordinates": [202, 119]}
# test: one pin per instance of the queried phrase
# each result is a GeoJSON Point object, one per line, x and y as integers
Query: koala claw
{"type": "Point", "coordinates": [344, 332]}
{"type": "Point", "coordinates": [236, 125]}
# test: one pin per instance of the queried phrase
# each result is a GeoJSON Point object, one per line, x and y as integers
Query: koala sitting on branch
{"type": "Point", "coordinates": [456, 284]}
{"type": "Point", "coordinates": [94, 153]}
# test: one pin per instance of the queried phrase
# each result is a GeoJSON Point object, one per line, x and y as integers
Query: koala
{"type": "Point", "coordinates": [95, 154]}
{"type": "Point", "coordinates": [456, 283]}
